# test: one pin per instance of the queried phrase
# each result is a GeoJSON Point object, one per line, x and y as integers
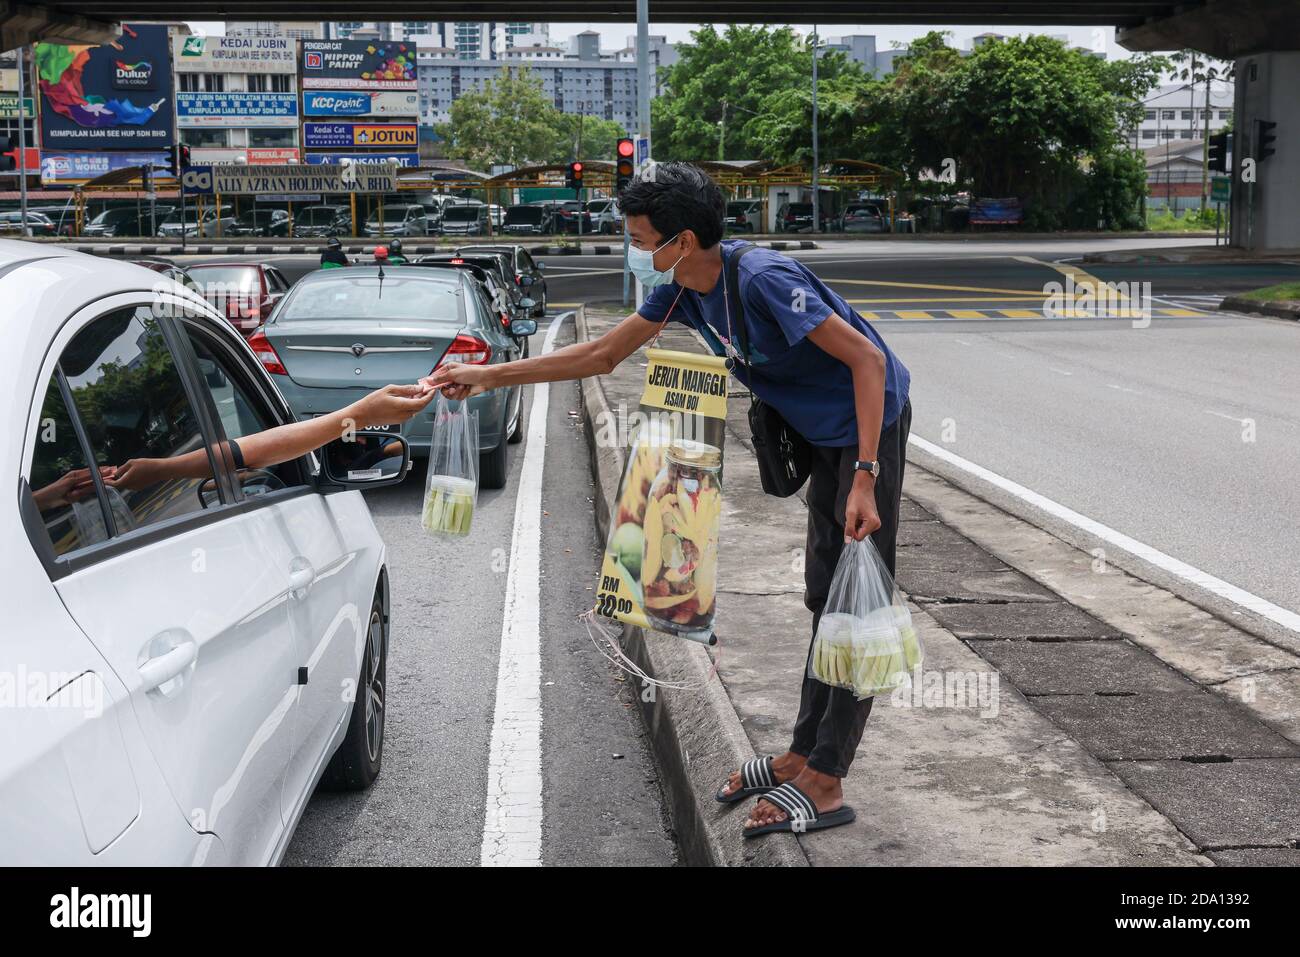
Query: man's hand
{"type": "Point", "coordinates": [390, 405]}
{"type": "Point", "coordinates": [135, 474]}
{"type": "Point", "coordinates": [860, 516]}
{"type": "Point", "coordinates": [73, 486]}
{"type": "Point", "coordinates": [457, 380]}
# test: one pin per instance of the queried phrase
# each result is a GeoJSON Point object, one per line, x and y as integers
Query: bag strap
{"type": "Point", "coordinates": [736, 304]}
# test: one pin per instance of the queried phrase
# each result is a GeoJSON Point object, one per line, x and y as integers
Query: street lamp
{"type": "Point", "coordinates": [816, 180]}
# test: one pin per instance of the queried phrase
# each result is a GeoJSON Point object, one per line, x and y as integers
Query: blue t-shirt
{"type": "Point", "coordinates": [784, 301]}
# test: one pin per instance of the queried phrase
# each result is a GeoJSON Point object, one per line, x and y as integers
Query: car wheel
{"type": "Point", "coordinates": [358, 760]}
{"type": "Point", "coordinates": [516, 433]}
{"type": "Point", "coordinates": [492, 465]}
{"type": "Point", "coordinates": [540, 311]}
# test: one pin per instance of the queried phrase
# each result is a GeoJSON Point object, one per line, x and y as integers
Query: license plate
{"type": "Point", "coordinates": [392, 429]}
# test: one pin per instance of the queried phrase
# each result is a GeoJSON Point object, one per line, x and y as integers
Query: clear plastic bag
{"type": "Point", "coordinates": [452, 490]}
{"type": "Point", "coordinates": [865, 640]}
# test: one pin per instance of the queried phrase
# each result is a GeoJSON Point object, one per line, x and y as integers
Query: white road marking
{"type": "Point", "coordinates": [1224, 415]}
{"type": "Point", "coordinates": [1059, 371]}
{"type": "Point", "coordinates": [512, 822]}
{"type": "Point", "coordinates": [1120, 388]}
{"type": "Point", "coordinates": [1217, 586]}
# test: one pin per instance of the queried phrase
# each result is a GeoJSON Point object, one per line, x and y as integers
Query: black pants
{"type": "Point", "coordinates": [831, 720]}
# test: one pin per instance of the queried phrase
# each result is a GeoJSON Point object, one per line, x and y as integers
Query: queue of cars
{"type": "Point", "coordinates": [223, 715]}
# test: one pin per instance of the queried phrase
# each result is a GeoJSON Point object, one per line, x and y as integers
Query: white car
{"type": "Point", "coordinates": [184, 661]}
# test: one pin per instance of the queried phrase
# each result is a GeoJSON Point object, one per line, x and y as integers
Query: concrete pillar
{"type": "Point", "coordinates": [1266, 88]}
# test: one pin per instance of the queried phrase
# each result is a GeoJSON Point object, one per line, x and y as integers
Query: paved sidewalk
{"type": "Point", "coordinates": [1040, 735]}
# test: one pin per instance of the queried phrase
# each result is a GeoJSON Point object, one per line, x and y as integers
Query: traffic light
{"type": "Point", "coordinates": [1218, 158]}
{"type": "Point", "coordinates": [1264, 139]}
{"type": "Point", "coordinates": [624, 165]}
{"type": "Point", "coordinates": [574, 178]}
{"type": "Point", "coordinates": [182, 157]}
{"type": "Point", "coordinates": [178, 159]}
{"type": "Point", "coordinates": [9, 159]}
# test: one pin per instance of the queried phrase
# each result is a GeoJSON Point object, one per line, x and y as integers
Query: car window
{"type": "Point", "coordinates": [239, 410]}
{"type": "Point", "coordinates": [396, 297]}
{"type": "Point", "coordinates": [62, 486]}
{"type": "Point", "coordinates": [137, 417]}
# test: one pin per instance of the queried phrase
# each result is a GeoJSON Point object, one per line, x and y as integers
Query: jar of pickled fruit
{"type": "Point", "coordinates": [679, 569]}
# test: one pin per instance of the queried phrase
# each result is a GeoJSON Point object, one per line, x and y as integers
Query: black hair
{"type": "Point", "coordinates": [677, 196]}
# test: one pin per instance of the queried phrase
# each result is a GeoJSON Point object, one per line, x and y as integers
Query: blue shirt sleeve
{"type": "Point", "coordinates": [658, 301]}
{"type": "Point", "coordinates": [780, 292]}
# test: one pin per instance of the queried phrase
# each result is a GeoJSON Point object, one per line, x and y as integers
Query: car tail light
{"type": "Point", "coordinates": [266, 354]}
{"type": "Point", "coordinates": [457, 262]}
{"type": "Point", "coordinates": [468, 349]}
{"type": "Point", "coordinates": [741, 220]}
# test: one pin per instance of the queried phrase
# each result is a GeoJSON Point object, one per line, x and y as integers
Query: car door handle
{"type": "Point", "coordinates": [301, 577]}
{"type": "Point", "coordinates": [163, 668]}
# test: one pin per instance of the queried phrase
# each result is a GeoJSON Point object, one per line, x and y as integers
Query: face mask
{"type": "Point", "coordinates": [642, 264]}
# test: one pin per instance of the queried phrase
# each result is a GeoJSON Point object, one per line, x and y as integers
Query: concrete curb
{"type": "Point", "coordinates": [696, 735]}
{"type": "Point", "coordinates": [1279, 310]}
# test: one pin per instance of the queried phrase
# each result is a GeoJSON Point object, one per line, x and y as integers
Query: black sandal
{"type": "Point", "coordinates": [801, 813]}
{"type": "Point", "coordinates": [756, 777]}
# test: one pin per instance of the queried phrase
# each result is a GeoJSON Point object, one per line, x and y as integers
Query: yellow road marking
{"type": "Point", "coordinates": [869, 316]}
{"type": "Point", "coordinates": [1084, 281]}
{"type": "Point", "coordinates": [912, 314]}
{"type": "Point", "coordinates": [965, 314]}
{"type": "Point", "coordinates": [928, 285]}
{"type": "Point", "coordinates": [1039, 297]}
{"type": "Point", "coordinates": [1180, 312]}
{"type": "Point", "coordinates": [1021, 314]}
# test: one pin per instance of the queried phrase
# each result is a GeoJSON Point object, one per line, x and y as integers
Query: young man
{"type": "Point", "coordinates": [832, 378]}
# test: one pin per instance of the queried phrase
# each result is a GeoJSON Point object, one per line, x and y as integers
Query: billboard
{"type": "Point", "coordinates": [353, 135]}
{"type": "Point", "coordinates": [79, 167]}
{"type": "Point", "coordinates": [236, 109]}
{"type": "Point", "coordinates": [203, 54]}
{"type": "Point", "coordinates": [403, 159]}
{"type": "Point", "coordinates": [250, 180]}
{"type": "Point", "coordinates": [272, 156]}
{"type": "Point", "coordinates": [359, 103]}
{"type": "Point", "coordinates": [9, 106]}
{"type": "Point", "coordinates": [117, 96]}
{"type": "Point", "coordinates": [357, 65]}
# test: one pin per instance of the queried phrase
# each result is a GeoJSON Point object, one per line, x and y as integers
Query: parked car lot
{"type": "Point", "coordinates": [11, 223]}
{"type": "Point", "coordinates": [862, 218]}
{"type": "Point", "coordinates": [465, 219]}
{"type": "Point", "coordinates": [398, 220]}
{"type": "Point", "coordinates": [261, 222]}
{"type": "Point", "coordinates": [211, 221]}
{"type": "Point", "coordinates": [243, 292]}
{"type": "Point", "coordinates": [321, 221]}
{"type": "Point", "coordinates": [340, 333]}
{"type": "Point", "coordinates": [127, 221]}
{"type": "Point", "coordinates": [798, 218]}
{"type": "Point", "coordinates": [527, 219]}
{"type": "Point", "coordinates": [528, 272]}
{"type": "Point", "coordinates": [223, 716]}
{"type": "Point", "coordinates": [744, 216]}
{"type": "Point", "coordinates": [606, 217]}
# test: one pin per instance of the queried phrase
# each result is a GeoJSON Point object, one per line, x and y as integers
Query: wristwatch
{"type": "Point", "coordinates": [872, 467]}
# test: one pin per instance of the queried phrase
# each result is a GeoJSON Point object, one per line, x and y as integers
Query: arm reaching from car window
{"type": "Point", "coordinates": [581, 360]}
{"type": "Point", "coordinates": [387, 406]}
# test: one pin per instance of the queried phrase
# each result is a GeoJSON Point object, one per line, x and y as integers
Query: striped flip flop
{"type": "Point", "coordinates": [801, 813]}
{"type": "Point", "coordinates": [756, 778]}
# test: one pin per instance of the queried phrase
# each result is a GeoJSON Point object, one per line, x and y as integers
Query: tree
{"type": "Point", "coordinates": [509, 121]}
{"type": "Point", "coordinates": [719, 87]}
{"type": "Point", "coordinates": [599, 138]}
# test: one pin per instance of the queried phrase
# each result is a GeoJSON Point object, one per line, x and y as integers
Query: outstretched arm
{"type": "Point", "coordinates": [578, 361]}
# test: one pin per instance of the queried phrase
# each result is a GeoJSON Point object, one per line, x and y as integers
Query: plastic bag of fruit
{"type": "Point", "coordinates": [865, 639]}
{"type": "Point", "coordinates": [452, 490]}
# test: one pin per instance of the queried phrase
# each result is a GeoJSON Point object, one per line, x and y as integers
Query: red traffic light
{"type": "Point", "coordinates": [625, 147]}
{"type": "Point", "coordinates": [576, 167]}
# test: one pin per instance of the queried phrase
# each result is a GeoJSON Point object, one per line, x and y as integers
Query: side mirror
{"type": "Point", "coordinates": [527, 303]}
{"type": "Point", "coordinates": [524, 327]}
{"type": "Point", "coordinates": [526, 280]}
{"type": "Point", "coordinates": [541, 266]}
{"type": "Point", "coordinates": [370, 460]}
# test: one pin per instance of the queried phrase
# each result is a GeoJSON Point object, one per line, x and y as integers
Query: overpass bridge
{"type": "Point", "coordinates": [1263, 36]}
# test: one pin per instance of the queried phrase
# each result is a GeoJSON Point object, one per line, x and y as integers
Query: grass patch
{"type": "Point", "coordinates": [1280, 293]}
{"type": "Point", "coordinates": [1191, 221]}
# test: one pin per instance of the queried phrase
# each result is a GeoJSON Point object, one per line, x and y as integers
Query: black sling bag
{"type": "Point", "coordinates": [784, 456]}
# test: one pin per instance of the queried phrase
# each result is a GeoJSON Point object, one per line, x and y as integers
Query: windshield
{"type": "Point", "coordinates": [801, 209]}
{"type": "Point", "coordinates": [403, 298]}
{"type": "Point", "coordinates": [316, 216]}
{"type": "Point", "coordinates": [461, 214]}
{"type": "Point", "coordinates": [191, 216]}
{"type": "Point", "coordinates": [261, 216]}
{"type": "Point", "coordinates": [392, 214]}
{"type": "Point", "coordinates": [230, 278]}
{"type": "Point", "coordinates": [528, 215]}
{"type": "Point", "coordinates": [735, 209]}
{"type": "Point", "coordinates": [113, 216]}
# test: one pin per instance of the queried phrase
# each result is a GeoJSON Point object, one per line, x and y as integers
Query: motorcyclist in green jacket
{"type": "Point", "coordinates": [333, 256]}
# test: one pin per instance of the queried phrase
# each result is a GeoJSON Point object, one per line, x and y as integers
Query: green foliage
{"type": "Point", "coordinates": [512, 121]}
{"type": "Point", "coordinates": [755, 78]}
